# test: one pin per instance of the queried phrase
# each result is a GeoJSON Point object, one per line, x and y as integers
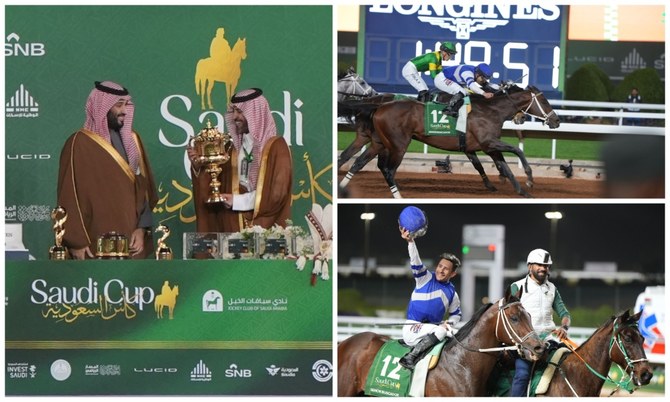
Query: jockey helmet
{"type": "Point", "coordinates": [484, 70]}
{"type": "Point", "coordinates": [414, 220]}
{"type": "Point", "coordinates": [539, 256]}
{"type": "Point", "coordinates": [448, 47]}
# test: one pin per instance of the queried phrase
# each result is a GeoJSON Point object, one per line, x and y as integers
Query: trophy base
{"type": "Point", "coordinates": [164, 254]}
{"type": "Point", "coordinates": [112, 256]}
{"type": "Point", "coordinates": [215, 199]}
{"type": "Point", "coordinates": [58, 253]}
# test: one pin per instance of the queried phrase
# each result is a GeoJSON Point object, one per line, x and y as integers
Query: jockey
{"type": "Point", "coordinates": [540, 298]}
{"type": "Point", "coordinates": [434, 296]}
{"type": "Point", "coordinates": [453, 79]}
{"type": "Point", "coordinates": [427, 62]}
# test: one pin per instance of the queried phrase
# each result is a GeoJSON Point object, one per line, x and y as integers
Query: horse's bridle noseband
{"type": "Point", "coordinates": [516, 339]}
{"type": "Point", "coordinates": [354, 78]}
{"type": "Point", "coordinates": [534, 100]}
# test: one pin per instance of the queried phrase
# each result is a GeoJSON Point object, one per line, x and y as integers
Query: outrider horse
{"type": "Point", "coordinates": [584, 372]}
{"type": "Point", "coordinates": [462, 369]}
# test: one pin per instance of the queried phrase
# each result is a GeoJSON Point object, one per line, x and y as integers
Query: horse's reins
{"type": "Point", "coordinates": [615, 339]}
{"type": "Point", "coordinates": [508, 328]}
{"type": "Point", "coordinates": [357, 84]}
{"type": "Point", "coordinates": [533, 100]}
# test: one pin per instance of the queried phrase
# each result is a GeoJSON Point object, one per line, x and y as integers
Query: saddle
{"type": "Point", "coordinates": [386, 377]}
{"type": "Point", "coordinates": [500, 382]}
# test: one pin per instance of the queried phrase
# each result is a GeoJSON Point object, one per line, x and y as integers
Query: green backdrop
{"type": "Point", "coordinates": [256, 327]}
{"type": "Point", "coordinates": [54, 54]}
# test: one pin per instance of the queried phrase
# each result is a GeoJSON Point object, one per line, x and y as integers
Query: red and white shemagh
{"type": "Point", "coordinates": [99, 103]}
{"type": "Point", "coordinates": [261, 127]}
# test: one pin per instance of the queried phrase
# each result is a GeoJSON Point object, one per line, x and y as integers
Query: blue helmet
{"type": "Point", "coordinates": [484, 70]}
{"type": "Point", "coordinates": [414, 220]}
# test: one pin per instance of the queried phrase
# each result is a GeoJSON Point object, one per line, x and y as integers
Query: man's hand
{"type": "Point", "coordinates": [404, 233]}
{"type": "Point", "coordinates": [227, 200]}
{"type": "Point", "coordinates": [193, 157]}
{"type": "Point", "coordinates": [560, 333]}
{"type": "Point", "coordinates": [81, 253]}
{"type": "Point", "coordinates": [136, 242]}
{"type": "Point", "coordinates": [488, 95]}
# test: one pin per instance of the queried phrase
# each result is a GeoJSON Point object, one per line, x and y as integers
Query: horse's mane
{"type": "Point", "coordinates": [607, 323]}
{"type": "Point", "coordinates": [467, 328]}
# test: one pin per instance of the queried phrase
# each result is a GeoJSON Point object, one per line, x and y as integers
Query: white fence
{"type": "Point", "coordinates": [352, 325]}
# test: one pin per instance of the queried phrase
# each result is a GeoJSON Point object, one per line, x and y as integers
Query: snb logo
{"type": "Point", "coordinates": [233, 371]}
{"type": "Point", "coordinates": [14, 48]}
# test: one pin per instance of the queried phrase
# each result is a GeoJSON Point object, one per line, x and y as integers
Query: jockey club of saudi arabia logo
{"type": "Point", "coordinates": [108, 300]}
{"type": "Point", "coordinates": [463, 20]}
{"type": "Point", "coordinates": [223, 65]}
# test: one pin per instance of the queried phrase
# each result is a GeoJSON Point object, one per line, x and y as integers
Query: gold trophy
{"type": "Point", "coordinates": [163, 252]}
{"type": "Point", "coordinates": [213, 149]}
{"type": "Point", "coordinates": [58, 251]}
{"type": "Point", "coordinates": [112, 246]}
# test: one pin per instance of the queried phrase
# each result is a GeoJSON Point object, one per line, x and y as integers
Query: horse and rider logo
{"type": "Point", "coordinates": [167, 298]}
{"type": "Point", "coordinates": [212, 301]}
{"type": "Point", "coordinates": [222, 65]}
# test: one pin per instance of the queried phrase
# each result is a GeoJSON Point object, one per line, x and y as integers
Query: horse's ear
{"type": "Point", "coordinates": [635, 317]}
{"type": "Point", "coordinates": [509, 297]}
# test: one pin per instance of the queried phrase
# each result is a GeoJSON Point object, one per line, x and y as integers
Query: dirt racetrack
{"type": "Point", "coordinates": [367, 184]}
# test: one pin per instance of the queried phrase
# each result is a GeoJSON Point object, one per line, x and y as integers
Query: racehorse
{"type": "Point", "coordinates": [396, 123]}
{"type": "Point", "coordinates": [463, 368]}
{"type": "Point", "coordinates": [365, 133]}
{"type": "Point", "coordinates": [209, 70]}
{"type": "Point", "coordinates": [583, 372]}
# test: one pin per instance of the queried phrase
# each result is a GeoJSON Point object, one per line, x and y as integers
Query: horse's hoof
{"type": "Point", "coordinates": [492, 189]}
{"type": "Point", "coordinates": [530, 184]}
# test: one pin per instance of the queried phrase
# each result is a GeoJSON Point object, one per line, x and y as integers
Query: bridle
{"type": "Point", "coordinates": [359, 90]}
{"type": "Point", "coordinates": [509, 330]}
{"type": "Point", "coordinates": [534, 101]}
{"type": "Point", "coordinates": [517, 340]}
{"type": "Point", "coordinates": [614, 340]}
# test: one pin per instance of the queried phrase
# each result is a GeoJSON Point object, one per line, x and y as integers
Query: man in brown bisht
{"type": "Point", "coordinates": [105, 182]}
{"type": "Point", "coordinates": [256, 184]}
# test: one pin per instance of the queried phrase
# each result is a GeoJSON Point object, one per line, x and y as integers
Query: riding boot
{"type": "Point", "coordinates": [454, 104]}
{"type": "Point", "coordinates": [419, 351]}
{"type": "Point", "coordinates": [423, 96]}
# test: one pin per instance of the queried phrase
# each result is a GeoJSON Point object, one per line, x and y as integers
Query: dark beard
{"type": "Point", "coordinates": [113, 122]}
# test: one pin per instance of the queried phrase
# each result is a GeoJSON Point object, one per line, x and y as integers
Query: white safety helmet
{"type": "Point", "coordinates": [539, 256]}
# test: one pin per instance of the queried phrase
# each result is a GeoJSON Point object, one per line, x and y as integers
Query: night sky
{"type": "Point", "coordinates": [632, 235]}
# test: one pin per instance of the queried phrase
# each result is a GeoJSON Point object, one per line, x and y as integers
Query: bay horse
{"type": "Point", "coordinates": [398, 122]}
{"type": "Point", "coordinates": [584, 371]}
{"type": "Point", "coordinates": [352, 89]}
{"type": "Point", "coordinates": [462, 368]}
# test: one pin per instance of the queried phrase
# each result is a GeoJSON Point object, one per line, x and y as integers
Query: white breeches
{"type": "Point", "coordinates": [411, 334]}
{"type": "Point", "coordinates": [444, 84]}
{"type": "Point", "coordinates": [413, 76]}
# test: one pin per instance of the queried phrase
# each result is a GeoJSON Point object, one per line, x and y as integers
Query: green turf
{"type": "Point", "coordinates": [533, 147]}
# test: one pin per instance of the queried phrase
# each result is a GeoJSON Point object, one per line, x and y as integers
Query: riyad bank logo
{"type": "Point", "coordinates": [212, 301]}
{"type": "Point", "coordinates": [27, 213]}
{"type": "Point", "coordinates": [13, 47]}
{"type": "Point", "coordinates": [22, 104]}
{"type": "Point", "coordinates": [112, 299]}
{"type": "Point", "coordinates": [224, 65]}
{"type": "Point", "coordinates": [466, 19]}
